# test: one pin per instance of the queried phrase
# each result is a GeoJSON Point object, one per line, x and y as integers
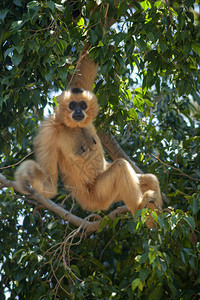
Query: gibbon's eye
{"type": "Point", "coordinates": [73, 105]}
{"type": "Point", "coordinates": [83, 105]}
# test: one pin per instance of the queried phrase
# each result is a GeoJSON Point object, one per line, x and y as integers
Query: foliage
{"type": "Point", "coordinates": [148, 89]}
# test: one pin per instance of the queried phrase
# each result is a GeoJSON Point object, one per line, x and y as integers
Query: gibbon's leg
{"type": "Point", "coordinates": [30, 177]}
{"type": "Point", "coordinates": [118, 182]}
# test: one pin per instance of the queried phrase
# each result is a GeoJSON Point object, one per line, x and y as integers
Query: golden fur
{"type": "Point", "coordinates": [74, 148]}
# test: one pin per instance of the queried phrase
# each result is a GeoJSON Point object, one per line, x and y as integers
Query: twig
{"type": "Point", "coordinates": [175, 168]}
{"type": "Point", "coordinates": [10, 166]}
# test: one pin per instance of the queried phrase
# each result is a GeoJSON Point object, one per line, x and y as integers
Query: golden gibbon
{"type": "Point", "coordinates": [68, 142]}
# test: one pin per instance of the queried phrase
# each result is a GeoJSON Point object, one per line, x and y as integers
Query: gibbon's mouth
{"type": "Point", "coordinates": [78, 117]}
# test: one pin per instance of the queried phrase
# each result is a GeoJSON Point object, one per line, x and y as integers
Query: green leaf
{"type": "Point", "coordinates": [17, 25]}
{"type": "Point", "coordinates": [142, 45]}
{"type": "Point", "coordinates": [148, 103]}
{"type": "Point", "coordinates": [163, 45]}
{"type": "Point", "coordinates": [48, 75]}
{"type": "Point", "coordinates": [136, 283]}
{"type": "Point", "coordinates": [156, 293]}
{"type": "Point", "coordinates": [155, 216]}
{"type": "Point", "coordinates": [3, 14]}
{"type": "Point", "coordinates": [196, 48]}
{"type": "Point", "coordinates": [16, 58]}
{"type": "Point", "coordinates": [8, 51]}
{"type": "Point", "coordinates": [152, 256]}
{"type": "Point", "coordinates": [133, 114]}
{"type": "Point", "coordinates": [144, 273]}
{"type": "Point", "coordinates": [18, 2]}
{"type": "Point", "coordinates": [100, 44]}
{"type": "Point", "coordinates": [19, 48]}
{"type": "Point", "coordinates": [60, 7]}
{"type": "Point", "coordinates": [75, 269]}
{"type": "Point", "coordinates": [145, 5]}
{"type": "Point", "coordinates": [33, 4]}
{"type": "Point", "coordinates": [64, 44]}
{"type": "Point", "coordinates": [190, 221]}
{"type": "Point", "coordinates": [52, 225]}
{"type": "Point", "coordinates": [106, 67]}
{"type": "Point", "coordinates": [62, 73]}
{"type": "Point", "coordinates": [105, 221]}
{"type": "Point", "coordinates": [195, 205]}
{"type": "Point", "coordinates": [36, 97]}
{"type": "Point", "coordinates": [94, 37]}
{"type": "Point", "coordinates": [51, 5]}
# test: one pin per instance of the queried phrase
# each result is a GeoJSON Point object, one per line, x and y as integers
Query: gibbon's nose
{"type": "Point", "coordinates": [78, 115]}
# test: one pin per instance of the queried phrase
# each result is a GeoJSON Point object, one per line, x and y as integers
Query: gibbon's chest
{"type": "Point", "coordinates": [81, 154]}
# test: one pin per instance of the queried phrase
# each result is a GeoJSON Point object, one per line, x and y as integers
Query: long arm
{"type": "Point", "coordinates": [46, 151]}
{"type": "Point", "coordinates": [87, 69]}
{"type": "Point", "coordinates": [41, 175]}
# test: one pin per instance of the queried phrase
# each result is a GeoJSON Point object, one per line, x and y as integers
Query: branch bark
{"type": "Point", "coordinates": [87, 225]}
{"type": "Point", "coordinates": [115, 151]}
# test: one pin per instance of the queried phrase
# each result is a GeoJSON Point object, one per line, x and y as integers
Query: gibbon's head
{"type": "Point", "coordinates": [77, 107]}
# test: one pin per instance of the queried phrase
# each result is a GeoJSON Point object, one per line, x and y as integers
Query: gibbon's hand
{"type": "Point", "coordinates": [26, 183]}
{"type": "Point", "coordinates": [26, 176]}
{"type": "Point", "coordinates": [85, 148]}
{"type": "Point", "coordinates": [86, 143]}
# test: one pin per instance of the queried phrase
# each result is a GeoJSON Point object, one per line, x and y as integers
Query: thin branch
{"type": "Point", "coordinates": [175, 168]}
{"type": "Point", "coordinates": [115, 151]}
{"type": "Point", "coordinates": [10, 166]}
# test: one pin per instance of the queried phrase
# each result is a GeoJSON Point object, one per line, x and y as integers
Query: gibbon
{"type": "Point", "coordinates": [68, 142]}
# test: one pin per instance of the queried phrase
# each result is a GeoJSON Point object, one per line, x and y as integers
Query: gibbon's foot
{"type": "Point", "coordinates": [154, 204]}
{"type": "Point", "coordinates": [150, 200]}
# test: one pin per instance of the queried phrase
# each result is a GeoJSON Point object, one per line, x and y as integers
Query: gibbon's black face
{"type": "Point", "coordinates": [78, 108]}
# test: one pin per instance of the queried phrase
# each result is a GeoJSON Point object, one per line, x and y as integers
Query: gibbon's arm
{"type": "Point", "coordinates": [87, 69]}
{"type": "Point", "coordinates": [41, 175]}
{"type": "Point", "coordinates": [46, 143]}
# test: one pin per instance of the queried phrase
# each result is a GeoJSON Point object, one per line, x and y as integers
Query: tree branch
{"type": "Point", "coordinates": [115, 151]}
{"type": "Point", "coordinates": [87, 225]}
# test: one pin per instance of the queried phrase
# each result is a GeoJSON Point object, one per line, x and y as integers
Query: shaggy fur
{"type": "Point", "coordinates": [73, 148]}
